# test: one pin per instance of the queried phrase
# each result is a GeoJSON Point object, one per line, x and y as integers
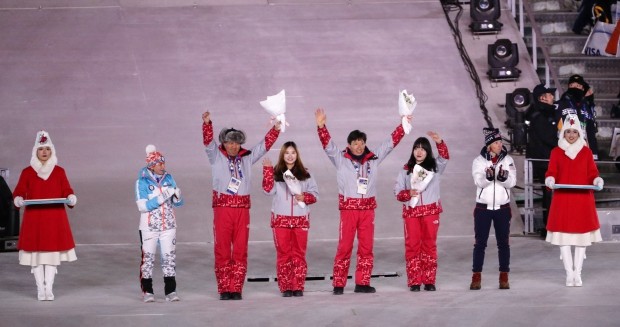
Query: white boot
{"type": "Point", "coordinates": [39, 277]}
{"type": "Point", "coordinates": [50, 273]}
{"type": "Point", "coordinates": [567, 258]}
{"type": "Point", "coordinates": [580, 254]}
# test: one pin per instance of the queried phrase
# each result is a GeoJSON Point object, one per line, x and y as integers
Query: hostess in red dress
{"type": "Point", "coordinates": [44, 227]}
{"type": "Point", "coordinates": [572, 210]}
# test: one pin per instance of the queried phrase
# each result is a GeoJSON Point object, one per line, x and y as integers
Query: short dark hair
{"type": "Point", "coordinates": [356, 135]}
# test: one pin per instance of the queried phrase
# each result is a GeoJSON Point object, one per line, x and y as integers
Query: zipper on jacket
{"type": "Point", "coordinates": [493, 194]}
{"type": "Point", "coordinates": [163, 211]}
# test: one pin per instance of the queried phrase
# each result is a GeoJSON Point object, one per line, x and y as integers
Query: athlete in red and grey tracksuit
{"type": "Point", "coordinates": [231, 167]}
{"type": "Point", "coordinates": [422, 220]}
{"type": "Point", "coordinates": [290, 219]}
{"type": "Point", "coordinates": [357, 169]}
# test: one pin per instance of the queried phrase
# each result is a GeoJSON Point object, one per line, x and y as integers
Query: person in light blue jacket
{"type": "Point", "coordinates": [157, 194]}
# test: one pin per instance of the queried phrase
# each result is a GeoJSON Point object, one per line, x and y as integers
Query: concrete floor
{"type": "Point", "coordinates": [106, 78]}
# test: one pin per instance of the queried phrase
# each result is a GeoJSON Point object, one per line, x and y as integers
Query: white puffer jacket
{"type": "Point", "coordinates": [493, 193]}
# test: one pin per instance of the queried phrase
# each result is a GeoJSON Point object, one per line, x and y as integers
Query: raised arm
{"type": "Point", "coordinates": [207, 128]}
{"type": "Point", "coordinates": [332, 151]}
{"type": "Point", "coordinates": [207, 137]}
{"type": "Point", "coordinates": [442, 148]}
{"type": "Point", "coordinates": [389, 144]}
{"type": "Point", "coordinates": [321, 119]}
{"type": "Point", "coordinates": [268, 177]}
{"type": "Point", "coordinates": [259, 150]}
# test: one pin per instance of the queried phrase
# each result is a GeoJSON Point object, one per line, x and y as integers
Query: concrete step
{"type": "Point", "coordinates": [542, 6]}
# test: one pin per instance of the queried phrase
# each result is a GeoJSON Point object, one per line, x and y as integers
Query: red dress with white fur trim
{"type": "Point", "coordinates": [44, 227]}
{"type": "Point", "coordinates": [572, 210]}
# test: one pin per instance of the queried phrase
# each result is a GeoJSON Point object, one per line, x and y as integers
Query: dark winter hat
{"type": "Point", "coordinates": [540, 89]}
{"type": "Point", "coordinates": [232, 135]}
{"type": "Point", "coordinates": [578, 79]}
{"type": "Point", "coordinates": [491, 135]}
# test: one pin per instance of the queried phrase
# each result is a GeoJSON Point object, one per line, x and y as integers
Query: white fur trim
{"type": "Point", "coordinates": [142, 205]}
{"type": "Point", "coordinates": [43, 171]}
{"type": "Point", "coordinates": [571, 150]}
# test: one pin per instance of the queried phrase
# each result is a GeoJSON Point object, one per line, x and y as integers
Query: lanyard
{"type": "Point", "coordinates": [358, 166]}
{"type": "Point", "coordinates": [231, 167]}
{"type": "Point", "coordinates": [583, 111]}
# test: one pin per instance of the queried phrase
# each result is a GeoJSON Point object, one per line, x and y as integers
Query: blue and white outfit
{"type": "Point", "coordinates": [157, 226]}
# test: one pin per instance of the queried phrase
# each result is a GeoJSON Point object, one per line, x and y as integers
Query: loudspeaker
{"type": "Point", "coordinates": [9, 219]}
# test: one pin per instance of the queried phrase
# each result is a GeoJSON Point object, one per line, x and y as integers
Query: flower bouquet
{"type": "Point", "coordinates": [420, 178]}
{"type": "Point", "coordinates": [406, 105]}
{"type": "Point", "coordinates": [276, 106]}
{"type": "Point", "coordinates": [293, 185]}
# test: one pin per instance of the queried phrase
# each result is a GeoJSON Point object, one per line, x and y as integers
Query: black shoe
{"type": "Point", "coordinates": [225, 296]}
{"type": "Point", "coordinates": [429, 287]}
{"type": "Point", "coordinates": [235, 296]}
{"type": "Point", "coordinates": [287, 293]}
{"type": "Point", "coordinates": [414, 288]}
{"type": "Point", "coordinates": [298, 293]}
{"type": "Point", "coordinates": [364, 289]}
{"type": "Point", "coordinates": [338, 290]}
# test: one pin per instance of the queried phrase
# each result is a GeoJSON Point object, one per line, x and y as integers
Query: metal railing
{"type": "Point", "coordinates": [525, 10]}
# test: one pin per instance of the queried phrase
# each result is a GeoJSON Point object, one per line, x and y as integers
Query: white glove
{"type": "Point", "coordinates": [598, 182]}
{"type": "Point", "coordinates": [166, 193]}
{"type": "Point", "coordinates": [177, 193]}
{"type": "Point", "coordinates": [72, 200]}
{"type": "Point", "coordinates": [550, 182]}
{"type": "Point", "coordinates": [19, 201]}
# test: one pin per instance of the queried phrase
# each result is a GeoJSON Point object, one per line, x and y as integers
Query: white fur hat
{"type": "Point", "coordinates": [571, 150]}
{"type": "Point", "coordinates": [572, 122]}
{"type": "Point", "coordinates": [43, 140]}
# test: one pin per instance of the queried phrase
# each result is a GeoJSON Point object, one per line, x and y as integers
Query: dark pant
{"type": "Point", "coordinates": [546, 203]}
{"type": "Point", "coordinates": [482, 226]}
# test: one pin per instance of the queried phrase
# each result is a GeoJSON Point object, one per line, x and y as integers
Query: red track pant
{"type": "Point", "coordinates": [362, 222]}
{"type": "Point", "coordinates": [291, 266]}
{"type": "Point", "coordinates": [230, 232]}
{"type": "Point", "coordinates": [421, 249]}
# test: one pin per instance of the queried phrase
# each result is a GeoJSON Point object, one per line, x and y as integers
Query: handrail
{"type": "Point", "coordinates": [550, 70]}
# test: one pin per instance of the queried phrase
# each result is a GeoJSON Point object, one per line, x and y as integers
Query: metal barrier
{"type": "Point", "coordinates": [525, 10]}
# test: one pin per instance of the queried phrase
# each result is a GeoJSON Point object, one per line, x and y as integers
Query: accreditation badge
{"type": "Point", "coordinates": [233, 185]}
{"type": "Point", "coordinates": [362, 185]}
